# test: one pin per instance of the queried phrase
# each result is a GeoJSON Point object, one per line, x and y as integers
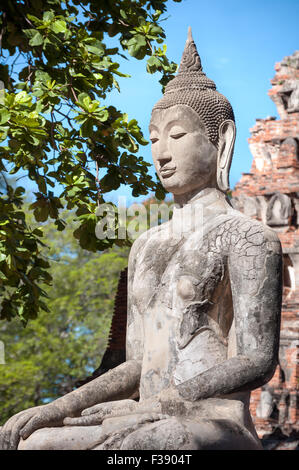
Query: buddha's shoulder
{"type": "Point", "coordinates": [244, 231]}
{"type": "Point", "coordinates": [149, 234]}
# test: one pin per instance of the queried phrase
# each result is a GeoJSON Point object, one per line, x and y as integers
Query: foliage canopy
{"type": "Point", "coordinates": [57, 128]}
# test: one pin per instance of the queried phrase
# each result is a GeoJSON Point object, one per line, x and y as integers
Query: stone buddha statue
{"type": "Point", "coordinates": [204, 299]}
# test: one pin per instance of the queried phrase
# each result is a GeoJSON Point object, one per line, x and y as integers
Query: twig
{"type": "Point", "coordinates": [2, 30]}
{"type": "Point", "coordinates": [66, 117]}
{"type": "Point", "coordinates": [52, 133]}
{"type": "Point", "coordinates": [123, 23]}
{"type": "Point", "coordinates": [28, 21]}
{"type": "Point", "coordinates": [74, 94]}
{"type": "Point", "coordinates": [98, 182]}
{"type": "Point", "coordinates": [13, 63]}
{"type": "Point", "coordinates": [88, 12]}
{"type": "Point", "coordinates": [150, 46]}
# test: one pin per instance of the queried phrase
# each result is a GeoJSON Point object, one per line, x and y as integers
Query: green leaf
{"type": "Point", "coordinates": [22, 98]}
{"type": "Point", "coordinates": [29, 33]}
{"type": "Point", "coordinates": [103, 115]}
{"type": "Point", "coordinates": [94, 50]}
{"type": "Point", "coordinates": [82, 97]}
{"type": "Point", "coordinates": [60, 225]}
{"type": "Point", "coordinates": [160, 193]}
{"type": "Point", "coordinates": [42, 184]}
{"type": "Point", "coordinates": [3, 132]}
{"type": "Point", "coordinates": [136, 46]}
{"type": "Point", "coordinates": [123, 14]}
{"type": "Point", "coordinates": [38, 232]}
{"type": "Point", "coordinates": [153, 63]}
{"type": "Point", "coordinates": [36, 40]}
{"type": "Point", "coordinates": [86, 129]}
{"type": "Point", "coordinates": [59, 26]}
{"type": "Point", "coordinates": [19, 191]}
{"type": "Point", "coordinates": [48, 16]}
{"type": "Point", "coordinates": [4, 116]}
{"type": "Point", "coordinates": [41, 214]}
{"type": "Point", "coordinates": [33, 18]}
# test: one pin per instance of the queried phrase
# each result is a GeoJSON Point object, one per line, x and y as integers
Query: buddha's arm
{"type": "Point", "coordinates": [255, 274]}
{"type": "Point", "coordinates": [121, 382]}
{"type": "Point", "coordinates": [116, 384]}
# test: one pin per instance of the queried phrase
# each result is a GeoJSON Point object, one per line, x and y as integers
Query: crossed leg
{"type": "Point", "coordinates": [63, 438]}
{"type": "Point", "coordinates": [88, 436]}
{"type": "Point", "coordinates": [183, 434]}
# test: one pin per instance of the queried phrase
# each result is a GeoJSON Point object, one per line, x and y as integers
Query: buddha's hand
{"type": "Point", "coordinates": [96, 414]}
{"type": "Point", "coordinates": [23, 424]}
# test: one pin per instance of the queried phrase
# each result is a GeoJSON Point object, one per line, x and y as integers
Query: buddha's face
{"type": "Point", "coordinates": [184, 158]}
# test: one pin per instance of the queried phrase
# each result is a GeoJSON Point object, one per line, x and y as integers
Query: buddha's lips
{"type": "Point", "coordinates": [167, 172]}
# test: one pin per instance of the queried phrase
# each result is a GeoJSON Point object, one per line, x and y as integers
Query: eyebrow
{"type": "Point", "coordinates": [175, 122]}
{"type": "Point", "coordinates": [152, 127]}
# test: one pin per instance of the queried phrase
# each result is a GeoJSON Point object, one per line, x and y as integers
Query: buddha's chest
{"type": "Point", "coordinates": [181, 289]}
{"type": "Point", "coordinates": [169, 270]}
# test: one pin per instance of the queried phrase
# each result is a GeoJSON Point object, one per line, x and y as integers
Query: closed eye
{"type": "Point", "coordinates": [178, 136]}
{"type": "Point", "coordinates": [154, 139]}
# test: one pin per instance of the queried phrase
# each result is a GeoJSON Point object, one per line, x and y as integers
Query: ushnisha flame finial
{"type": "Point", "coordinates": [190, 74]}
{"type": "Point", "coordinates": [190, 61]}
{"type": "Point", "coordinates": [191, 87]}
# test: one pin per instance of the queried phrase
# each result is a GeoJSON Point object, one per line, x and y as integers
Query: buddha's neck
{"type": "Point", "coordinates": [182, 199]}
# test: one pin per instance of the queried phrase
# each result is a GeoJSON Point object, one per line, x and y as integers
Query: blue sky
{"type": "Point", "coordinates": [239, 43]}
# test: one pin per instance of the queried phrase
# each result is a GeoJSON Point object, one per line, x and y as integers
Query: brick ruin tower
{"type": "Point", "coordinates": [270, 193]}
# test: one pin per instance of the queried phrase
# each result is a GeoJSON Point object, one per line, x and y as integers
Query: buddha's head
{"type": "Point", "coordinates": [192, 130]}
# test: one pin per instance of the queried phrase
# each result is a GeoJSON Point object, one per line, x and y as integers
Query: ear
{"type": "Point", "coordinates": [227, 137]}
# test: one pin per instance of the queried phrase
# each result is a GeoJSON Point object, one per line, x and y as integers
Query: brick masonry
{"type": "Point", "coordinates": [270, 193]}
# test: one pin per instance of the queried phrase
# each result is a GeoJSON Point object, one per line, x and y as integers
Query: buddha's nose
{"type": "Point", "coordinates": [163, 155]}
{"type": "Point", "coordinates": [163, 159]}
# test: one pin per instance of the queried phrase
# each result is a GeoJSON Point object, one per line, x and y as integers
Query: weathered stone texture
{"type": "Point", "coordinates": [270, 193]}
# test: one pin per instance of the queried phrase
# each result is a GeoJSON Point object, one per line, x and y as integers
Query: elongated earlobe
{"type": "Point", "coordinates": [227, 136]}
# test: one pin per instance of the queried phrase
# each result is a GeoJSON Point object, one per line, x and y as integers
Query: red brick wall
{"type": "Point", "coordinates": [275, 169]}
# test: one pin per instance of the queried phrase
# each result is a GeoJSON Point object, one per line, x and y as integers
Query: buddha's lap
{"type": "Point", "coordinates": [166, 434]}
